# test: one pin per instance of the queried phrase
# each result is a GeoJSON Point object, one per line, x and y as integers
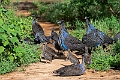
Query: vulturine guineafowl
{"type": "Point", "coordinates": [48, 53]}
{"type": "Point", "coordinates": [67, 41]}
{"type": "Point", "coordinates": [54, 37]}
{"type": "Point", "coordinates": [89, 26]}
{"type": "Point", "coordinates": [94, 37]}
{"type": "Point", "coordinates": [72, 58]}
{"type": "Point", "coordinates": [73, 70]}
{"type": "Point", "coordinates": [87, 58]}
{"type": "Point", "coordinates": [38, 32]}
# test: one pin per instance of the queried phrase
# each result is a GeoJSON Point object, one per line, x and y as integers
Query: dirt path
{"type": "Point", "coordinates": [43, 71]}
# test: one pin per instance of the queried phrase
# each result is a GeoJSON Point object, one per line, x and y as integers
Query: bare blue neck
{"type": "Point", "coordinates": [87, 22]}
{"type": "Point", "coordinates": [34, 20]}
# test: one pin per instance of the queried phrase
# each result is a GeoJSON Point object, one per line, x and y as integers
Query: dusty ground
{"type": "Point", "coordinates": [43, 71]}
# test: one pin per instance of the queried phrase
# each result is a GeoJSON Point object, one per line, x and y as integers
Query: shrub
{"type": "Point", "coordinates": [78, 9]}
{"type": "Point", "coordinates": [7, 66]}
{"type": "Point", "coordinates": [115, 63]}
{"type": "Point", "coordinates": [104, 60]}
{"type": "Point", "coordinates": [101, 60]}
{"type": "Point", "coordinates": [116, 55]}
{"type": "Point", "coordinates": [13, 51]}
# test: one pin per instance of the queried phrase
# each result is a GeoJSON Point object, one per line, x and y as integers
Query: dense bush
{"type": "Point", "coordinates": [78, 9]}
{"type": "Point", "coordinates": [97, 8]}
{"type": "Point", "coordinates": [13, 51]}
{"type": "Point", "coordinates": [116, 55]}
{"type": "Point", "coordinates": [103, 60]}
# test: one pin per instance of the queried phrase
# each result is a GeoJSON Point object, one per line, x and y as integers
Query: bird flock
{"type": "Point", "coordinates": [66, 42]}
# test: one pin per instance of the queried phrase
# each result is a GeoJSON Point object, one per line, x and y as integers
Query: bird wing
{"type": "Point", "coordinates": [78, 47]}
{"type": "Point", "coordinates": [37, 28]}
{"type": "Point", "coordinates": [54, 36]}
{"type": "Point", "coordinates": [72, 40]}
{"type": "Point", "coordinates": [91, 39]}
{"type": "Point", "coordinates": [51, 51]}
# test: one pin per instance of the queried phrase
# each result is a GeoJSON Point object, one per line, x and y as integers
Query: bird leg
{"type": "Point", "coordinates": [68, 54]}
{"type": "Point", "coordinates": [58, 51]}
{"type": "Point", "coordinates": [86, 49]}
{"type": "Point", "coordinates": [47, 61]}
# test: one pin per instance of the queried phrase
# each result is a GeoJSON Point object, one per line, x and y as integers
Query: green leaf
{"type": "Point", "coordinates": [19, 55]}
{"type": "Point", "coordinates": [4, 10]}
{"type": "Point", "coordinates": [6, 43]}
{"type": "Point", "coordinates": [14, 39]}
{"type": "Point", "coordinates": [1, 49]}
{"type": "Point", "coordinates": [4, 37]}
{"type": "Point", "coordinates": [11, 58]}
{"type": "Point", "coordinates": [21, 60]}
{"type": "Point", "coordinates": [1, 22]}
{"type": "Point", "coordinates": [11, 26]}
{"type": "Point", "coordinates": [19, 49]}
{"type": "Point", "coordinates": [14, 33]}
{"type": "Point", "coordinates": [5, 27]}
{"type": "Point", "coordinates": [1, 30]}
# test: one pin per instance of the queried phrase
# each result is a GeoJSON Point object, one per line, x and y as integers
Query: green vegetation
{"type": "Point", "coordinates": [78, 9]}
{"type": "Point", "coordinates": [103, 60]}
{"type": "Point", "coordinates": [13, 51]}
{"type": "Point", "coordinates": [4, 2]}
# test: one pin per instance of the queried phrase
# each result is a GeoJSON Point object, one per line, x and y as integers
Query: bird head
{"type": "Point", "coordinates": [87, 58]}
{"type": "Point", "coordinates": [34, 17]}
{"type": "Point", "coordinates": [86, 17]}
{"type": "Point", "coordinates": [60, 22]}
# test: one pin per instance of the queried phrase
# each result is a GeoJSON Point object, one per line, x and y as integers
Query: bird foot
{"type": "Point", "coordinates": [47, 61]}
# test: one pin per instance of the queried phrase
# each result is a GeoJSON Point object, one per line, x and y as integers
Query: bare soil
{"type": "Point", "coordinates": [44, 71]}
